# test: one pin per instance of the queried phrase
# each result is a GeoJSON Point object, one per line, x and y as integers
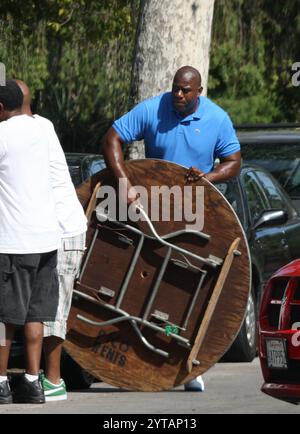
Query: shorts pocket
{"type": "Point", "coordinates": [7, 268]}
{"type": "Point", "coordinates": [69, 262]}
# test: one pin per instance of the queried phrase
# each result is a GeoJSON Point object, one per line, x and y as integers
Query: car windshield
{"type": "Point", "coordinates": [281, 159]}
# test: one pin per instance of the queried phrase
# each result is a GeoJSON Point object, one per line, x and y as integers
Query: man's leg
{"type": "Point", "coordinates": [6, 338]}
{"type": "Point", "coordinates": [5, 350]}
{"type": "Point", "coordinates": [43, 290]}
{"type": "Point", "coordinates": [29, 389]}
{"type": "Point", "coordinates": [53, 350]}
{"type": "Point", "coordinates": [69, 260]}
{"type": "Point", "coordinates": [5, 345]}
{"type": "Point", "coordinates": [8, 309]}
{"type": "Point", "coordinates": [33, 333]}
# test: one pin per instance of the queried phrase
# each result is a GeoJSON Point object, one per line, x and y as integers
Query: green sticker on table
{"type": "Point", "coordinates": [171, 330]}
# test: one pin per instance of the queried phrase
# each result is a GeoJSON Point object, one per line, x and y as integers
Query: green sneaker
{"type": "Point", "coordinates": [54, 392]}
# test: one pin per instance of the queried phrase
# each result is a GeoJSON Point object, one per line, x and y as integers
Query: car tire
{"type": "Point", "coordinates": [74, 376]}
{"type": "Point", "coordinates": [244, 348]}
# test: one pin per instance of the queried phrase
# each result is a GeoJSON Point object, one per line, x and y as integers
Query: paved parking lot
{"type": "Point", "coordinates": [231, 388]}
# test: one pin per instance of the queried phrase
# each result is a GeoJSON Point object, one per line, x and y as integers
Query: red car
{"type": "Point", "coordinates": [279, 334]}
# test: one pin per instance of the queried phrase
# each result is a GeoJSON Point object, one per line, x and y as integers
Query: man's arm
{"type": "Point", "coordinates": [114, 159]}
{"type": "Point", "coordinates": [113, 154]}
{"type": "Point", "coordinates": [229, 167]}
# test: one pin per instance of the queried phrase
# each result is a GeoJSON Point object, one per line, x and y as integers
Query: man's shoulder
{"type": "Point", "coordinates": [10, 126]}
{"type": "Point", "coordinates": [3, 126]}
{"type": "Point", "coordinates": [43, 121]}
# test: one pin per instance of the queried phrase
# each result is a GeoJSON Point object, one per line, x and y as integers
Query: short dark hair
{"type": "Point", "coordinates": [11, 96]}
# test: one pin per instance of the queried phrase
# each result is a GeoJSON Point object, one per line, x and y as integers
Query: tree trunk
{"type": "Point", "coordinates": [171, 34]}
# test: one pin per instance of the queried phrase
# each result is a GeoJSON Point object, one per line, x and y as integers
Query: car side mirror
{"type": "Point", "coordinates": [272, 218]}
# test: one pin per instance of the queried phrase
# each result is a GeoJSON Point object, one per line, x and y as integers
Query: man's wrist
{"type": "Point", "coordinates": [211, 177]}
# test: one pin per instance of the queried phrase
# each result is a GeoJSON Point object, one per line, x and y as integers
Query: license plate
{"type": "Point", "coordinates": [276, 353]}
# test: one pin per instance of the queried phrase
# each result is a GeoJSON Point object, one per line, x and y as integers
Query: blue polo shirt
{"type": "Point", "coordinates": [196, 140]}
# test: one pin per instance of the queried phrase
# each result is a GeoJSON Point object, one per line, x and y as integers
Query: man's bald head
{"type": "Point", "coordinates": [189, 73]}
{"type": "Point", "coordinates": [26, 109]}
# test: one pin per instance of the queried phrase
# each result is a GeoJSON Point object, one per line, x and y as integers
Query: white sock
{"type": "Point", "coordinates": [3, 378]}
{"type": "Point", "coordinates": [31, 378]}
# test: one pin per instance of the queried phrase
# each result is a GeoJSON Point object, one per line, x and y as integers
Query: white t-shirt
{"type": "Point", "coordinates": [69, 211]}
{"type": "Point", "coordinates": [28, 221]}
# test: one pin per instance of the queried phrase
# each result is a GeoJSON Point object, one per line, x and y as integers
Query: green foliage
{"type": "Point", "coordinates": [254, 45]}
{"type": "Point", "coordinates": [76, 57]}
{"type": "Point", "coordinates": [24, 51]}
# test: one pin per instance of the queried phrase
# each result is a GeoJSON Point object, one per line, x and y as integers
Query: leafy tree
{"type": "Point", "coordinates": [253, 50]}
{"type": "Point", "coordinates": [72, 55]}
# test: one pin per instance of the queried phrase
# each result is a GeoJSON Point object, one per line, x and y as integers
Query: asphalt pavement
{"type": "Point", "coordinates": [230, 389]}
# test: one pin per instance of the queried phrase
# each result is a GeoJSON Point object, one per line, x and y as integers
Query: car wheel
{"type": "Point", "coordinates": [74, 376]}
{"type": "Point", "coordinates": [244, 348]}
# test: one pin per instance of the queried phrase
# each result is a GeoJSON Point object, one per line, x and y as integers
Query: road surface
{"type": "Point", "coordinates": [230, 389]}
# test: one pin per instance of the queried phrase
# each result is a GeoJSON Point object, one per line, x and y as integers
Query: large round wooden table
{"type": "Point", "coordinates": [156, 306]}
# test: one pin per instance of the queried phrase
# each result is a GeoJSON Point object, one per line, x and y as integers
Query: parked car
{"type": "Point", "coordinates": [279, 336]}
{"type": "Point", "coordinates": [83, 166]}
{"type": "Point", "coordinates": [278, 151]}
{"type": "Point", "coordinates": [272, 227]}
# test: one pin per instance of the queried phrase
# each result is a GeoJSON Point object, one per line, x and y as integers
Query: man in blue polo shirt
{"type": "Point", "coordinates": [179, 126]}
{"type": "Point", "coordinates": [182, 127]}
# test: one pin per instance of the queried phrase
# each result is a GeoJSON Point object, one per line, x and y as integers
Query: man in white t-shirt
{"type": "Point", "coordinates": [73, 224]}
{"type": "Point", "coordinates": [29, 238]}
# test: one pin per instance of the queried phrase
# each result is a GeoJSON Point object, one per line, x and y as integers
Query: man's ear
{"type": "Point", "coordinates": [200, 90]}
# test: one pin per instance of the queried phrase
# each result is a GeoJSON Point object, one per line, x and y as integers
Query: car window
{"type": "Point", "coordinates": [257, 200]}
{"type": "Point", "coordinates": [273, 195]}
{"type": "Point", "coordinates": [231, 191]}
{"type": "Point", "coordinates": [292, 182]}
{"type": "Point", "coordinates": [277, 199]}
